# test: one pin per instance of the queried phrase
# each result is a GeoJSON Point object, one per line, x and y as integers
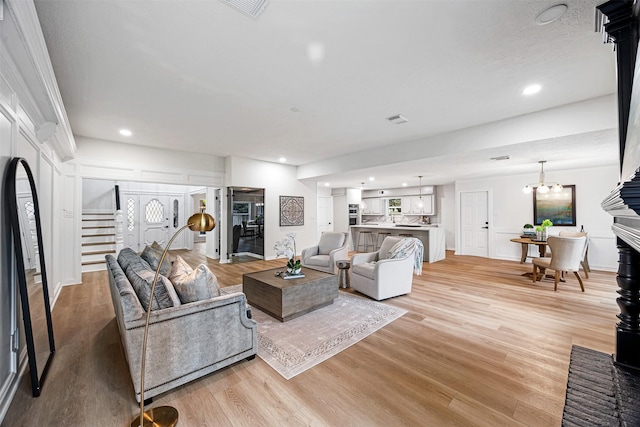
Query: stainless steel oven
{"type": "Point", "coordinates": [353, 214]}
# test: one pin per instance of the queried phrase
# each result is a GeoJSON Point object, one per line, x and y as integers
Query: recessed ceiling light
{"type": "Point", "coordinates": [125, 132]}
{"type": "Point", "coordinates": [326, 184]}
{"type": "Point", "coordinates": [404, 184]}
{"type": "Point", "coordinates": [282, 159]}
{"type": "Point", "coordinates": [551, 14]}
{"type": "Point", "coordinates": [531, 89]}
{"type": "Point", "coordinates": [315, 52]}
{"type": "Point", "coordinates": [294, 109]}
{"type": "Point", "coordinates": [371, 178]}
{"type": "Point", "coordinates": [499, 158]}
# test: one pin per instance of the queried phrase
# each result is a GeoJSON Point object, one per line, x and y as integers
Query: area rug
{"type": "Point", "coordinates": [294, 346]}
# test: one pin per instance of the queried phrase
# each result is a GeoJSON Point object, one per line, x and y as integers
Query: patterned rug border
{"type": "Point", "coordinates": [289, 365]}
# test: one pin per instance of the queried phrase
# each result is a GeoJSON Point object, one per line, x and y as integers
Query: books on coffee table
{"type": "Point", "coordinates": [286, 275]}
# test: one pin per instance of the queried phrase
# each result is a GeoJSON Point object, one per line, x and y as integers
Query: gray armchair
{"type": "Point", "coordinates": [333, 246]}
{"type": "Point", "coordinates": [379, 277]}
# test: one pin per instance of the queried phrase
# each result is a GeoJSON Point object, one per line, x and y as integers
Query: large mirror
{"type": "Point", "coordinates": [23, 214]}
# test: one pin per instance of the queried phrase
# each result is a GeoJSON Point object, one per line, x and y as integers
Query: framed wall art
{"type": "Point", "coordinates": [291, 210]}
{"type": "Point", "coordinates": [559, 207]}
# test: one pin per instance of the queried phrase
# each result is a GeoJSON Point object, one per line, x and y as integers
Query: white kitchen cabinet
{"type": "Point", "coordinates": [373, 206]}
{"type": "Point", "coordinates": [406, 205]}
{"type": "Point", "coordinates": [354, 196]}
{"type": "Point", "coordinates": [427, 208]}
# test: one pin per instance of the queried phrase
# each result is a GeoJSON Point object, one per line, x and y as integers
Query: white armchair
{"type": "Point", "coordinates": [332, 247]}
{"type": "Point", "coordinates": [384, 278]}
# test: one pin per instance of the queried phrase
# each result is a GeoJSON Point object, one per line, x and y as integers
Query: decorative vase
{"type": "Point", "coordinates": [542, 235]}
{"type": "Point", "coordinates": [292, 271]}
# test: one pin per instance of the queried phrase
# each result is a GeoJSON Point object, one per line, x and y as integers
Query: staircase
{"type": "Point", "coordinates": [98, 239]}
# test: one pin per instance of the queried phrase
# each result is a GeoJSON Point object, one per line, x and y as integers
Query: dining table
{"type": "Point", "coordinates": [525, 242]}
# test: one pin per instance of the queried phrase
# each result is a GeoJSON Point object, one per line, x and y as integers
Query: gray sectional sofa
{"type": "Point", "coordinates": [186, 341]}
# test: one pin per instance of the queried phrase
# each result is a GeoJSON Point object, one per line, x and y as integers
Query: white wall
{"type": "Point", "coordinates": [511, 209]}
{"type": "Point", "coordinates": [277, 180]}
{"type": "Point", "coordinates": [129, 162]}
{"type": "Point", "coordinates": [446, 217]}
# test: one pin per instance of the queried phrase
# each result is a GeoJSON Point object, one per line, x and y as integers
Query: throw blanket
{"type": "Point", "coordinates": [404, 248]}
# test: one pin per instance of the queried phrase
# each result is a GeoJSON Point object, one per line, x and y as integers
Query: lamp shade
{"type": "Point", "coordinates": [201, 222]}
{"type": "Point", "coordinates": [542, 189]}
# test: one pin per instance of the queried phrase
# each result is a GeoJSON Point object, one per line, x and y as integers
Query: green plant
{"type": "Point", "coordinates": [528, 226]}
{"type": "Point", "coordinates": [546, 223]}
{"type": "Point", "coordinates": [294, 265]}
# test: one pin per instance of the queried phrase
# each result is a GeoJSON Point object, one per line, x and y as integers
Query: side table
{"type": "Point", "coordinates": [343, 273]}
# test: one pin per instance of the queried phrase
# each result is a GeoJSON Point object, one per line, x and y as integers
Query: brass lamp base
{"type": "Point", "coordinates": [162, 416]}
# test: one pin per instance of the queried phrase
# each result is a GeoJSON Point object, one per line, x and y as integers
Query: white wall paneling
{"type": "Point", "coordinates": [29, 98]}
{"type": "Point", "coordinates": [8, 318]}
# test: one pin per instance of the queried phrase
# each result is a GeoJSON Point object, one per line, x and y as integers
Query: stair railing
{"type": "Point", "coordinates": [118, 220]}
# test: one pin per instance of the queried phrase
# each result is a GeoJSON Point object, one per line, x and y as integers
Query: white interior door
{"type": "Point", "coordinates": [474, 223]}
{"type": "Point", "coordinates": [155, 212]}
{"type": "Point", "coordinates": [325, 214]}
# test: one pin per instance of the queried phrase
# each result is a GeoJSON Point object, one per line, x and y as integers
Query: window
{"type": "Point", "coordinates": [131, 211]}
{"type": "Point", "coordinates": [395, 206]}
{"type": "Point", "coordinates": [154, 212]}
{"type": "Point", "coordinates": [175, 213]}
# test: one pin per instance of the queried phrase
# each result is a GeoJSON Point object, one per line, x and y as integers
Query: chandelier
{"type": "Point", "coordinates": [542, 187]}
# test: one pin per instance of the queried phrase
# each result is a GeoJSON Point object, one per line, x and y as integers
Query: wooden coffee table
{"type": "Point", "coordinates": [286, 299]}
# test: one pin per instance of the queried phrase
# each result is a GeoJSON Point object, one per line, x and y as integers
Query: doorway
{"type": "Point", "coordinates": [325, 214]}
{"type": "Point", "coordinates": [245, 226]}
{"type": "Point", "coordinates": [474, 223]}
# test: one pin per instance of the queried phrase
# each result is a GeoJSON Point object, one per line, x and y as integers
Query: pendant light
{"type": "Point", "coordinates": [541, 186]}
{"type": "Point", "coordinates": [420, 204]}
{"type": "Point", "coordinates": [363, 205]}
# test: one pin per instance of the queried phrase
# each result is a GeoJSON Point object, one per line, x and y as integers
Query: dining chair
{"type": "Point", "coordinates": [585, 256]}
{"type": "Point", "coordinates": [246, 231]}
{"type": "Point", "coordinates": [566, 255]}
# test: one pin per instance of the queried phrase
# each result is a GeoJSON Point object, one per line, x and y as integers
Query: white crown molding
{"type": "Point", "coordinates": [25, 17]}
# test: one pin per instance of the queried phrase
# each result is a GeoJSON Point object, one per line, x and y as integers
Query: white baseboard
{"type": "Point", "coordinates": [10, 386]}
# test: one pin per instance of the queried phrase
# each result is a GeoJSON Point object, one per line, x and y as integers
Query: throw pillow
{"type": "Point", "coordinates": [193, 285]}
{"type": "Point", "coordinates": [127, 256]}
{"type": "Point", "coordinates": [152, 256]}
{"type": "Point", "coordinates": [155, 245]}
{"type": "Point", "coordinates": [141, 280]}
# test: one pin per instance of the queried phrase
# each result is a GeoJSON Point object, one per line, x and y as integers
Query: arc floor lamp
{"type": "Point", "coordinates": [165, 416]}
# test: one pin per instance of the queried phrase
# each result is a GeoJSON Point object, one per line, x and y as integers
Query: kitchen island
{"type": "Point", "coordinates": [431, 236]}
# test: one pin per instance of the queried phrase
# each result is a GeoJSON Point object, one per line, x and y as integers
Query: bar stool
{"type": "Point", "coordinates": [383, 235]}
{"type": "Point", "coordinates": [365, 239]}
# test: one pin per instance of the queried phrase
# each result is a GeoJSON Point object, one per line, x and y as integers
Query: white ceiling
{"type": "Point", "coordinates": [201, 77]}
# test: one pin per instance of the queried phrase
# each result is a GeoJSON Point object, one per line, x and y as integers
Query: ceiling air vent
{"type": "Point", "coordinates": [397, 119]}
{"type": "Point", "coordinates": [251, 8]}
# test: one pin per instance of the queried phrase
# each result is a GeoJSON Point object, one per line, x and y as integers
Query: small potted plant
{"type": "Point", "coordinates": [287, 247]}
{"type": "Point", "coordinates": [528, 231]}
{"type": "Point", "coordinates": [294, 266]}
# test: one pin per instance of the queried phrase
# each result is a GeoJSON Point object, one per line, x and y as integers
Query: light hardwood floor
{"type": "Point", "coordinates": [481, 345]}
